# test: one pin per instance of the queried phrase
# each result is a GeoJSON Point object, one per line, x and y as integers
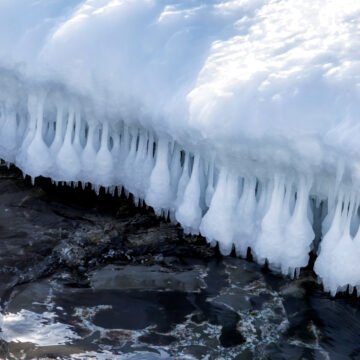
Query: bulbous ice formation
{"type": "Point", "coordinates": [159, 193]}
{"type": "Point", "coordinates": [238, 119]}
{"type": "Point", "coordinates": [189, 212]}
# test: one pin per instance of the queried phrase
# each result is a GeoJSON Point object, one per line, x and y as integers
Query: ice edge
{"type": "Point", "coordinates": [274, 214]}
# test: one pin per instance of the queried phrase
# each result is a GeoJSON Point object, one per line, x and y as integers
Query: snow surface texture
{"type": "Point", "coordinates": [238, 118]}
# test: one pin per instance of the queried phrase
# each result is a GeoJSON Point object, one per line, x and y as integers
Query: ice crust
{"type": "Point", "coordinates": [237, 118]}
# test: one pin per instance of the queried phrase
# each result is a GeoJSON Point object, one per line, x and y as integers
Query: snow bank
{"type": "Point", "coordinates": [238, 118]}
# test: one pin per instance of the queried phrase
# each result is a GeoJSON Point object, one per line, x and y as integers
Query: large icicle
{"type": "Point", "coordinates": [189, 213]}
{"type": "Point", "coordinates": [218, 224]}
{"type": "Point", "coordinates": [104, 160]}
{"type": "Point", "coordinates": [88, 155]}
{"type": "Point", "coordinates": [8, 131]}
{"type": "Point", "coordinates": [337, 263]}
{"type": "Point", "coordinates": [159, 194]}
{"type": "Point", "coordinates": [272, 233]}
{"type": "Point", "coordinates": [34, 156]}
{"type": "Point", "coordinates": [299, 233]}
{"type": "Point", "coordinates": [68, 160]}
{"type": "Point", "coordinates": [246, 230]}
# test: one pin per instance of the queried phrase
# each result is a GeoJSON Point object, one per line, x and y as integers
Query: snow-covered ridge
{"type": "Point", "coordinates": [239, 118]}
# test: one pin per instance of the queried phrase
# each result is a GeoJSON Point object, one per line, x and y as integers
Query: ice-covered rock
{"type": "Point", "coordinates": [238, 119]}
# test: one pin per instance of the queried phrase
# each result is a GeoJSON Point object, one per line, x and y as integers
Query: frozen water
{"type": "Point", "coordinates": [237, 118]}
{"type": "Point", "coordinates": [26, 326]}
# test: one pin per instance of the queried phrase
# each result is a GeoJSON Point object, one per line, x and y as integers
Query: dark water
{"type": "Point", "coordinates": [86, 277]}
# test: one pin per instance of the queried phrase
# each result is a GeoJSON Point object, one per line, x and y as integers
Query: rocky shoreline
{"type": "Point", "coordinates": [95, 277]}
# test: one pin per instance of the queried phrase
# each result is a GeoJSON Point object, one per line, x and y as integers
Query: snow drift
{"type": "Point", "coordinates": [238, 118]}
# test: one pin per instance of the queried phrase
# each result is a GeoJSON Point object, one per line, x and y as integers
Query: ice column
{"type": "Point", "coordinates": [159, 194]}
{"type": "Point", "coordinates": [189, 213]}
{"type": "Point", "coordinates": [218, 224]}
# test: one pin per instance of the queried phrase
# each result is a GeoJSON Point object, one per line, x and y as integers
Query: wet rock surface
{"type": "Point", "coordinates": [94, 277]}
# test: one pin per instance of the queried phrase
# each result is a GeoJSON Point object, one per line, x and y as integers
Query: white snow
{"type": "Point", "coordinates": [238, 118]}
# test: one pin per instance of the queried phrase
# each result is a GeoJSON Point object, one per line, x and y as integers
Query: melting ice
{"type": "Point", "coordinates": [237, 118]}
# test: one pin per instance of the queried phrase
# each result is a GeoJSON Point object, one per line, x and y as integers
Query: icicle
{"type": "Point", "coordinates": [124, 153]}
{"type": "Point", "coordinates": [210, 184]}
{"type": "Point", "coordinates": [344, 258]}
{"type": "Point", "coordinates": [184, 179]}
{"type": "Point", "coordinates": [129, 169]}
{"type": "Point", "coordinates": [8, 134]}
{"type": "Point", "coordinates": [159, 192]}
{"type": "Point", "coordinates": [331, 198]}
{"type": "Point", "coordinates": [68, 159]}
{"type": "Point", "coordinates": [116, 155]}
{"type": "Point", "coordinates": [189, 213]}
{"type": "Point", "coordinates": [299, 233]}
{"type": "Point", "coordinates": [219, 221]}
{"type": "Point", "coordinates": [355, 222]}
{"type": "Point", "coordinates": [77, 135]}
{"type": "Point", "coordinates": [48, 131]}
{"type": "Point", "coordinates": [340, 170]}
{"type": "Point", "coordinates": [89, 154]}
{"type": "Point", "coordinates": [264, 197]}
{"type": "Point", "coordinates": [125, 140]}
{"type": "Point", "coordinates": [175, 172]}
{"type": "Point", "coordinates": [271, 237]}
{"type": "Point", "coordinates": [59, 131]}
{"type": "Point", "coordinates": [246, 232]}
{"type": "Point", "coordinates": [142, 168]}
{"type": "Point", "coordinates": [337, 264]}
{"type": "Point", "coordinates": [289, 202]}
{"type": "Point", "coordinates": [103, 160]}
{"type": "Point", "coordinates": [330, 240]}
{"type": "Point", "coordinates": [149, 161]}
{"type": "Point", "coordinates": [34, 156]}
{"type": "Point", "coordinates": [22, 121]}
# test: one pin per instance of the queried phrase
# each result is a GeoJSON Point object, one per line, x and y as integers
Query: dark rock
{"type": "Point", "coordinates": [141, 277]}
{"type": "Point", "coordinates": [231, 337]}
{"type": "Point", "coordinates": [157, 339]}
